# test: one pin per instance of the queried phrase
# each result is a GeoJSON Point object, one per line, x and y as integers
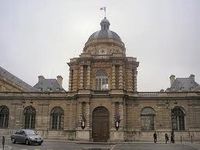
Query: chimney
{"type": "Point", "coordinates": [40, 78]}
{"type": "Point", "coordinates": [172, 79]}
{"type": "Point", "coordinates": [192, 77]}
{"type": "Point", "coordinates": [59, 80]}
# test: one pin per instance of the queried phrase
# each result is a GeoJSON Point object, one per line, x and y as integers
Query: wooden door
{"type": "Point", "coordinates": [100, 124]}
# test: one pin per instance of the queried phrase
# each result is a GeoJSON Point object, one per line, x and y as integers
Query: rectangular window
{"type": "Point", "coordinates": [54, 121]}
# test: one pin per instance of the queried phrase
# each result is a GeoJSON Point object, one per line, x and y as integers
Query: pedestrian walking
{"type": "Point", "coordinates": [155, 137]}
{"type": "Point", "coordinates": [166, 138]}
{"type": "Point", "coordinates": [172, 137]}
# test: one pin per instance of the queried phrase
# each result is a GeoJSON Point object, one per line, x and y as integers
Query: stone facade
{"type": "Point", "coordinates": [102, 103]}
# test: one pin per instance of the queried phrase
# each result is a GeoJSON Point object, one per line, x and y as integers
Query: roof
{"type": "Point", "coordinates": [184, 84]}
{"type": "Point", "coordinates": [49, 85]}
{"type": "Point", "coordinates": [15, 81]}
{"type": "Point", "coordinates": [104, 33]}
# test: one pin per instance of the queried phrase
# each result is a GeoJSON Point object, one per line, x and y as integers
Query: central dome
{"type": "Point", "coordinates": [104, 33]}
{"type": "Point", "coordinates": [104, 42]}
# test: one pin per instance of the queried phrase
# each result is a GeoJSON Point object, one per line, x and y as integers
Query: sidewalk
{"type": "Point", "coordinates": [194, 145]}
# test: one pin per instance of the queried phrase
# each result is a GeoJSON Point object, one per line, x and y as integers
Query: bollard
{"type": "Point", "coordinates": [3, 141]}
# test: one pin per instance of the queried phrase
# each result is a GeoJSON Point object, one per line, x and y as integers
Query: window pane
{"type": "Point", "coordinates": [178, 119]}
{"type": "Point", "coordinates": [57, 117]}
{"type": "Point", "coordinates": [29, 117]}
{"type": "Point", "coordinates": [101, 80]}
{"type": "Point", "coordinates": [4, 116]}
{"type": "Point", "coordinates": [147, 119]}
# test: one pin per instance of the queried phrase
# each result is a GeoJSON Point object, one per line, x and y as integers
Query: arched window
{"type": "Point", "coordinates": [101, 80]}
{"type": "Point", "coordinates": [57, 118]}
{"type": "Point", "coordinates": [4, 116]}
{"type": "Point", "coordinates": [147, 119]}
{"type": "Point", "coordinates": [178, 119]}
{"type": "Point", "coordinates": [29, 117]}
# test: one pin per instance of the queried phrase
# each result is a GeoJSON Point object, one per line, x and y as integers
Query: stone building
{"type": "Point", "coordinates": [102, 103]}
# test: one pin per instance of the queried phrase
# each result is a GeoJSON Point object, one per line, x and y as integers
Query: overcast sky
{"type": "Point", "coordinates": [38, 37]}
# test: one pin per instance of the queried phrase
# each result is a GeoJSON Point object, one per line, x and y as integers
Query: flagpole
{"type": "Point", "coordinates": [104, 9]}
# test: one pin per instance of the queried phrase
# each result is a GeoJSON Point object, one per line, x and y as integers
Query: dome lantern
{"type": "Point", "coordinates": [105, 24]}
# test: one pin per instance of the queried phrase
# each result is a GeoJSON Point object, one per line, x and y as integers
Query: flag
{"type": "Point", "coordinates": [103, 8]}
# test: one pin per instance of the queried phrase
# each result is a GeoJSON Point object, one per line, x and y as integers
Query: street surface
{"type": "Point", "coordinates": [63, 145]}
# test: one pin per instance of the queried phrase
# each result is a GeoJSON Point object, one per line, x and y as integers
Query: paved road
{"type": "Point", "coordinates": [60, 145]}
{"type": "Point", "coordinates": [150, 146]}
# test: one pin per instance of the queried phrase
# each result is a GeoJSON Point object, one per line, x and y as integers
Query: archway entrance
{"type": "Point", "coordinates": [100, 124]}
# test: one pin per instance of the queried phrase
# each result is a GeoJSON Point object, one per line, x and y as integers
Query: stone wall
{"type": "Point", "coordinates": [129, 110]}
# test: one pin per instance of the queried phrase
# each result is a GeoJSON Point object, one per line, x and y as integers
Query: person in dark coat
{"type": "Point", "coordinates": [172, 137]}
{"type": "Point", "coordinates": [166, 138]}
{"type": "Point", "coordinates": [155, 137]}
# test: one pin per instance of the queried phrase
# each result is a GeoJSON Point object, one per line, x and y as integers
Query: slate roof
{"type": "Point", "coordinates": [184, 84]}
{"type": "Point", "coordinates": [49, 85]}
{"type": "Point", "coordinates": [15, 81]}
{"type": "Point", "coordinates": [104, 33]}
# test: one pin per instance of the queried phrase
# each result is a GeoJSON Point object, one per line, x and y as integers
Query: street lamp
{"type": "Point", "coordinates": [82, 124]}
{"type": "Point", "coordinates": [83, 120]}
{"type": "Point", "coordinates": [117, 121]}
{"type": "Point", "coordinates": [117, 124]}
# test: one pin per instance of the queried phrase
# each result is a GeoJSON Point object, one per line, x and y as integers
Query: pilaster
{"type": "Point", "coordinates": [112, 116]}
{"type": "Point", "coordinates": [70, 80]}
{"type": "Point", "coordinates": [81, 77]}
{"type": "Point", "coordinates": [121, 80]}
{"type": "Point", "coordinates": [87, 115]}
{"type": "Point", "coordinates": [113, 77]}
{"type": "Point", "coordinates": [121, 113]}
{"type": "Point", "coordinates": [75, 79]}
{"type": "Point", "coordinates": [79, 114]}
{"type": "Point", "coordinates": [130, 78]}
{"type": "Point", "coordinates": [88, 76]}
{"type": "Point", "coordinates": [135, 80]}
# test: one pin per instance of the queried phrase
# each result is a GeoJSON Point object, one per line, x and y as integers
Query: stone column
{"type": "Point", "coordinates": [117, 135]}
{"type": "Point", "coordinates": [73, 117]}
{"type": "Point", "coordinates": [121, 80]}
{"type": "Point", "coordinates": [130, 79]}
{"type": "Point", "coordinates": [83, 134]}
{"type": "Point", "coordinates": [70, 80]}
{"type": "Point", "coordinates": [87, 113]}
{"type": "Point", "coordinates": [121, 113]}
{"type": "Point", "coordinates": [75, 79]}
{"type": "Point", "coordinates": [113, 115]}
{"type": "Point", "coordinates": [20, 115]}
{"type": "Point", "coordinates": [16, 116]}
{"type": "Point", "coordinates": [81, 77]}
{"type": "Point", "coordinates": [79, 114]}
{"type": "Point", "coordinates": [113, 77]}
{"type": "Point", "coordinates": [67, 122]}
{"type": "Point", "coordinates": [88, 76]}
{"type": "Point", "coordinates": [135, 81]}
